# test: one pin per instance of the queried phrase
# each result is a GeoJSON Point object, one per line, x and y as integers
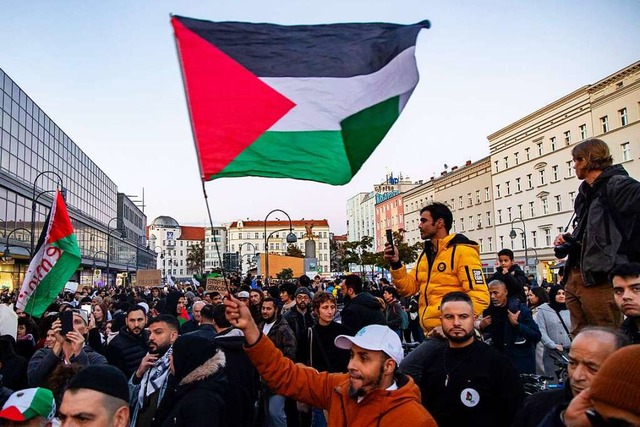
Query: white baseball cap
{"type": "Point", "coordinates": [375, 338]}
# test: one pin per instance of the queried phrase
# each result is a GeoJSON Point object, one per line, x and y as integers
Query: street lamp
{"type": "Point", "coordinates": [34, 200]}
{"type": "Point", "coordinates": [513, 235]}
{"type": "Point", "coordinates": [6, 253]}
{"type": "Point", "coordinates": [95, 254]}
{"type": "Point", "coordinates": [240, 252]}
{"type": "Point", "coordinates": [291, 238]}
{"type": "Point", "coordinates": [109, 230]}
{"type": "Point", "coordinates": [161, 253]}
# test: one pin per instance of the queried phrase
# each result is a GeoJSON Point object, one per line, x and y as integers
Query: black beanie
{"type": "Point", "coordinates": [105, 379]}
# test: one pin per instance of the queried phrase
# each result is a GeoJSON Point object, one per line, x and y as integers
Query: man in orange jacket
{"type": "Point", "coordinates": [371, 394]}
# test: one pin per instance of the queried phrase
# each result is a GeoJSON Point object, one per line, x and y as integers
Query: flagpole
{"type": "Point", "coordinates": [202, 177]}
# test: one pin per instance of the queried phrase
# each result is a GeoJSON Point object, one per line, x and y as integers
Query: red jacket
{"type": "Point", "coordinates": [383, 408]}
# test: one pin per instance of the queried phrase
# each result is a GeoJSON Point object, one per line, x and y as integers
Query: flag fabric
{"type": "Point", "coordinates": [307, 102]}
{"type": "Point", "coordinates": [57, 257]}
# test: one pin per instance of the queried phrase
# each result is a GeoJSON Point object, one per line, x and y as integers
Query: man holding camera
{"type": "Point", "coordinates": [606, 233]}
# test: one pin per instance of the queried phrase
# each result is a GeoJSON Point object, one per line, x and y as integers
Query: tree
{"type": "Point", "coordinates": [358, 252]}
{"type": "Point", "coordinates": [285, 274]}
{"type": "Point", "coordinates": [337, 257]}
{"type": "Point", "coordinates": [294, 251]}
{"type": "Point", "coordinates": [195, 258]}
{"type": "Point", "coordinates": [408, 253]}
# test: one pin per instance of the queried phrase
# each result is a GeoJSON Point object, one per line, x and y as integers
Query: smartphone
{"type": "Point", "coordinates": [390, 238]}
{"type": "Point", "coordinates": [66, 318]}
{"type": "Point", "coordinates": [87, 308]}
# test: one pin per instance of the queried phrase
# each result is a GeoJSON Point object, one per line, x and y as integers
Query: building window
{"type": "Point", "coordinates": [470, 222]}
{"type": "Point", "coordinates": [518, 186]}
{"type": "Point", "coordinates": [545, 206]}
{"type": "Point", "coordinates": [569, 169]}
{"type": "Point", "coordinates": [499, 216]}
{"type": "Point", "coordinates": [498, 191]}
{"type": "Point", "coordinates": [567, 138]}
{"type": "Point", "coordinates": [572, 197]}
{"type": "Point", "coordinates": [540, 149]}
{"type": "Point", "coordinates": [604, 121]}
{"type": "Point", "coordinates": [532, 209]}
{"type": "Point", "coordinates": [529, 181]}
{"type": "Point", "coordinates": [583, 131]}
{"type": "Point", "coordinates": [490, 240]}
{"type": "Point", "coordinates": [527, 153]}
{"type": "Point", "coordinates": [547, 236]}
{"type": "Point", "coordinates": [520, 212]}
{"type": "Point", "coordinates": [461, 224]}
{"type": "Point", "coordinates": [501, 242]}
{"type": "Point", "coordinates": [553, 143]}
{"type": "Point", "coordinates": [515, 157]}
{"type": "Point", "coordinates": [534, 239]}
{"type": "Point", "coordinates": [479, 220]}
{"type": "Point", "coordinates": [487, 194]}
{"type": "Point", "coordinates": [626, 151]}
{"type": "Point", "coordinates": [497, 166]}
{"type": "Point", "coordinates": [559, 203]}
{"type": "Point", "coordinates": [469, 200]}
{"type": "Point", "coordinates": [460, 202]}
{"type": "Point", "coordinates": [240, 236]}
{"type": "Point", "coordinates": [488, 218]}
{"type": "Point", "coordinates": [478, 196]}
{"type": "Point", "coordinates": [481, 245]}
{"type": "Point", "coordinates": [507, 188]}
{"type": "Point", "coordinates": [554, 172]}
{"type": "Point", "coordinates": [506, 162]}
{"type": "Point", "coordinates": [541, 175]}
{"type": "Point", "coordinates": [624, 119]}
{"type": "Point", "coordinates": [255, 236]}
{"type": "Point", "coordinates": [509, 213]}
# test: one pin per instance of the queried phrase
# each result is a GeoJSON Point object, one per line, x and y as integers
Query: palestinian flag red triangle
{"type": "Point", "coordinates": [222, 94]}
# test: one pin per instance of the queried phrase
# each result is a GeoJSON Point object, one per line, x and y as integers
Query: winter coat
{"type": "Point", "coordinates": [198, 400]}
{"type": "Point", "coordinates": [393, 316]}
{"type": "Point", "coordinates": [44, 361]}
{"type": "Point", "coordinates": [283, 337]}
{"type": "Point", "coordinates": [125, 351]}
{"type": "Point", "coordinates": [629, 329]}
{"type": "Point", "coordinates": [553, 334]}
{"type": "Point", "coordinates": [538, 406]}
{"type": "Point", "coordinates": [381, 408]}
{"type": "Point", "coordinates": [514, 280]}
{"type": "Point", "coordinates": [608, 224]}
{"type": "Point", "coordinates": [518, 342]}
{"type": "Point", "coordinates": [300, 324]}
{"type": "Point", "coordinates": [455, 266]}
{"type": "Point", "coordinates": [362, 310]}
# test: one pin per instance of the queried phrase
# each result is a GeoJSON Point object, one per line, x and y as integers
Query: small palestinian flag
{"type": "Point", "coordinates": [307, 102]}
{"type": "Point", "coordinates": [57, 257]}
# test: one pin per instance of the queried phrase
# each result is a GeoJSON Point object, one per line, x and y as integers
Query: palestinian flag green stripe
{"type": "Point", "coordinates": [326, 156]}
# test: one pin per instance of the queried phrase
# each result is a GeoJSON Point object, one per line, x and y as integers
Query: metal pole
{"type": "Point", "coordinates": [34, 204]}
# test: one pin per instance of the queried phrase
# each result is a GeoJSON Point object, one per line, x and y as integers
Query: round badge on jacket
{"type": "Point", "coordinates": [469, 397]}
{"type": "Point", "coordinates": [442, 267]}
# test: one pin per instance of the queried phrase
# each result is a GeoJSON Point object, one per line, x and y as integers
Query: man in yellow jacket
{"type": "Point", "coordinates": [449, 262]}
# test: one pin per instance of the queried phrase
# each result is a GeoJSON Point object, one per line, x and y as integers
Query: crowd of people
{"type": "Point", "coordinates": [318, 352]}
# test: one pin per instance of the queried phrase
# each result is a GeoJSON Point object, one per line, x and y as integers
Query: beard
{"type": "Point", "coordinates": [159, 349]}
{"type": "Point", "coordinates": [269, 319]}
{"type": "Point", "coordinates": [459, 338]}
{"type": "Point", "coordinates": [359, 392]}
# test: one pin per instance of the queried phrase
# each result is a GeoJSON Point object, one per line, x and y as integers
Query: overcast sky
{"type": "Point", "coordinates": [107, 73]}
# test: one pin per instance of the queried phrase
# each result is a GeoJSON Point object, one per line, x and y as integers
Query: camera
{"type": "Point", "coordinates": [563, 250]}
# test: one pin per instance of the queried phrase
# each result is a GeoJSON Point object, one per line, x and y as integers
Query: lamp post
{"type": "Point", "coordinates": [34, 200]}
{"type": "Point", "coordinates": [240, 252]}
{"type": "Point", "coordinates": [109, 230]}
{"type": "Point", "coordinates": [513, 235]}
{"type": "Point", "coordinates": [94, 259]}
{"type": "Point", "coordinates": [161, 253]}
{"type": "Point", "coordinates": [6, 253]}
{"type": "Point", "coordinates": [291, 238]}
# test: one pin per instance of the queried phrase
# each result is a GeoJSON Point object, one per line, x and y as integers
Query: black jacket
{"type": "Point", "coordinates": [362, 310]}
{"type": "Point", "coordinates": [629, 329]}
{"type": "Point", "coordinates": [125, 351]}
{"type": "Point", "coordinates": [514, 280]}
{"type": "Point", "coordinates": [198, 400]}
{"type": "Point", "coordinates": [300, 324]}
{"type": "Point", "coordinates": [537, 406]}
{"type": "Point", "coordinates": [607, 224]}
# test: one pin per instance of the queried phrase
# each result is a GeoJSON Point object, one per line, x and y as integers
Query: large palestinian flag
{"type": "Point", "coordinates": [57, 257]}
{"type": "Point", "coordinates": [305, 102]}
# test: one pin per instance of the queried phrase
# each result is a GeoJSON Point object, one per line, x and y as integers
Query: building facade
{"type": "Point", "coordinates": [361, 216]}
{"type": "Point", "coordinates": [249, 236]}
{"type": "Point", "coordinates": [36, 158]}
{"type": "Point", "coordinates": [215, 245]}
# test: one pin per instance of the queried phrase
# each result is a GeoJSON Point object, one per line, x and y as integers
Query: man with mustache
{"type": "Point", "coordinates": [372, 393]}
{"type": "Point", "coordinates": [149, 382]}
{"type": "Point", "coordinates": [126, 350]}
{"type": "Point", "coordinates": [465, 381]}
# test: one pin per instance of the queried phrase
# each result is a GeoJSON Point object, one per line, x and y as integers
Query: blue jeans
{"type": "Point", "coordinates": [277, 417]}
{"type": "Point", "coordinates": [317, 418]}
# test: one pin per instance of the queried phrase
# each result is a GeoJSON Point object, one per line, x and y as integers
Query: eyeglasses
{"type": "Point", "coordinates": [598, 420]}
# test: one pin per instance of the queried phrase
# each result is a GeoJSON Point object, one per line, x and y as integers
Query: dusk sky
{"type": "Point", "coordinates": [107, 73]}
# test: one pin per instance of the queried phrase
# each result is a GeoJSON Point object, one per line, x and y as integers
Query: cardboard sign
{"type": "Point", "coordinates": [217, 284]}
{"type": "Point", "coordinates": [148, 278]}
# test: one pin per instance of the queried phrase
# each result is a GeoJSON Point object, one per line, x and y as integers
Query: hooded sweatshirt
{"type": "Point", "coordinates": [362, 310]}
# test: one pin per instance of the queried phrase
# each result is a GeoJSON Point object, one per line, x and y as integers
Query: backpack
{"type": "Point", "coordinates": [404, 317]}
